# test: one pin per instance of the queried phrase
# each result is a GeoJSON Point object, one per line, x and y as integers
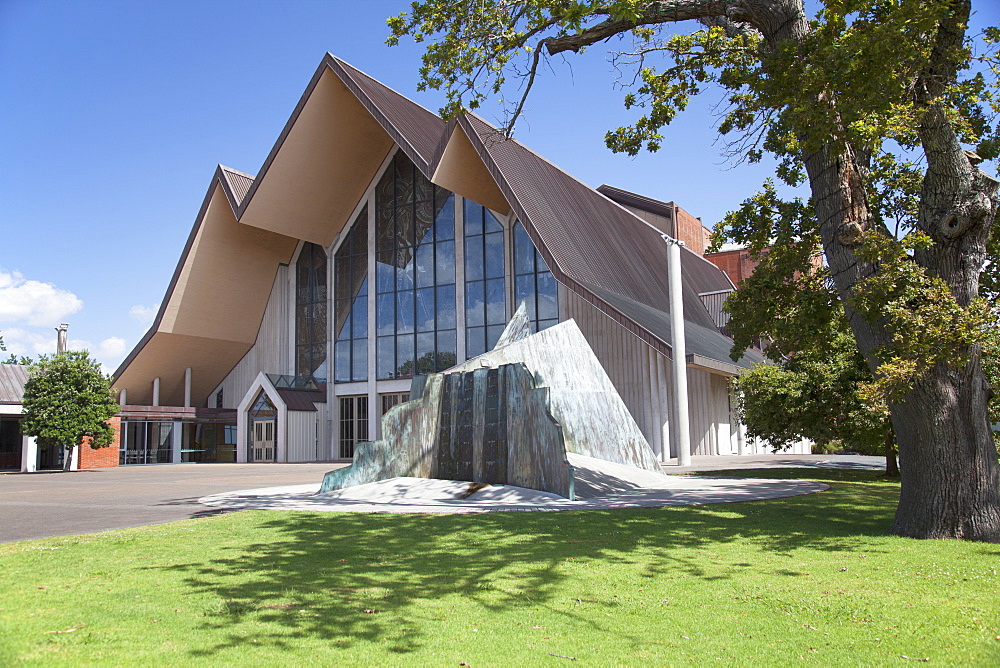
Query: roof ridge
{"type": "Point", "coordinates": [554, 165]}
{"type": "Point", "coordinates": [232, 170]}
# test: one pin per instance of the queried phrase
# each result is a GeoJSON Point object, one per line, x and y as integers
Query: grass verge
{"type": "Point", "coordinates": [813, 579]}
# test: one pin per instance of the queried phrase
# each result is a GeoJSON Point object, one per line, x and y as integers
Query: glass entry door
{"type": "Point", "coordinates": [264, 440]}
{"type": "Point", "coordinates": [263, 446]}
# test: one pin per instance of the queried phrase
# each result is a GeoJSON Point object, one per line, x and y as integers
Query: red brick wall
{"type": "Point", "coordinates": [690, 230]}
{"type": "Point", "coordinates": [736, 263]}
{"type": "Point", "coordinates": [102, 458]}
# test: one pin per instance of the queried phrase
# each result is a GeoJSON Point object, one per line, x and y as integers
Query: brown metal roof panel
{"type": "Point", "coordinates": [12, 380]}
{"type": "Point", "coordinates": [582, 235]}
{"type": "Point", "coordinates": [417, 130]}
{"type": "Point", "coordinates": [703, 275]}
{"type": "Point", "coordinates": [301, 400]}
{"type": "Point", "coordinates": [581, 232]}
{"type": "Point", "coordinates": [698, 339]}
{"type": "Point", "coordinates": [238, 182]}
{"type": "Point", "coordinates": [626, 198]}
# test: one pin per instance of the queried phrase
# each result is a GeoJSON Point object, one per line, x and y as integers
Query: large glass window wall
{"type": "Point", "coordinates": [351, 303]}
{"type": "Point", "coordinates": [146, 442]}
{"type": "Point", "coordinates": [533, 282]}
{"type": "Point", "coordinates": [415, 276]}
{"type": "Point", "coordinates": [485, 291]}
{"type": "Point", "coordinates": [10, 443]}
{"type": "Point", "coordinates": [353, 424]}
{"type": "Point", "coordinates": [310, 312]}
{"type": "Point", "coordinates": [151, 441]}
{"type": "Point", "coordinates": [208, 442]}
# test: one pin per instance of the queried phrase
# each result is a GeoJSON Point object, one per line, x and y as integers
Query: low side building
{"type": "Point", "coordinates": [19, 452]}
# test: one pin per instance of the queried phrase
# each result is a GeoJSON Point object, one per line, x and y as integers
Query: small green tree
{"type": "Point", "coordinates": [67, 398]}
{"type": "Point", "coordinates": [817, 394]}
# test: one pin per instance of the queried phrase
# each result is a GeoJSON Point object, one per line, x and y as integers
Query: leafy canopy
{"type": "Point", "coordinates": [858, 82]}
{"type": "Point", "coordinates": [67, 398]}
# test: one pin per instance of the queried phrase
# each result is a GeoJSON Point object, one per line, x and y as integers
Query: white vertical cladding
{"type": "Point", "coordinates": [300, 437]}
{"type": "Point", "coordinates": [639, 373]}
{"type": "Point", "coordinates": [270, 352]}
{"type": "Point", "coordinates": [725, 441]}
{"type": "Point", "coordinates": [709, 413]}
{"type": "Point", "coordinates": [700, 412]}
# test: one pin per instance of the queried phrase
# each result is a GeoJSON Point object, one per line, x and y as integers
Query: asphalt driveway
{"type": "Point", "coordinates": [40, 505]}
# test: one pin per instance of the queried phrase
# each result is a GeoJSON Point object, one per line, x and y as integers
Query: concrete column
{"type": "Point", "coordinates": [29, 454]}
{"type": "Point", "coordinates": [74, 463]}
{"type": "Point", "coordinates": [187, 387]}
{"type": "Point", "coordinates": [682, 430]}
{"type": "Point", "coordinates": [122, 401]}
{"type": "Point", "coordinates": [242, 435]}
{"type": "Point", "coordinates": [374, 425]}
{"type": "Point", "coordinates": [156, 391]}
{"type": "Point", "coordinates": [460, 276]}
{"type": "Point", "coordinates": [176, 441]}
{"type": "Point", "coordinates": [741, 440]}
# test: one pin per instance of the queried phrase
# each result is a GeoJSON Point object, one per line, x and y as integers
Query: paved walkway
{"type": "Point", "coordinates": [600, 485]}
{"type": "Point", "coordinates": [39, 505]}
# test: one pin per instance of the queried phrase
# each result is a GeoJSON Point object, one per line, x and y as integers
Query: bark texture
{"type": "Point", "coordinates": [950, 477]}
{"type": "Point", "coordinates": [950, 483]}
{"type": "Point", "coordinates": [891, 461]}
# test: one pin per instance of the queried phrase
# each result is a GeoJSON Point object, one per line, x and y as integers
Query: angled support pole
{"type": "Point", "coordinates": [682, 429]}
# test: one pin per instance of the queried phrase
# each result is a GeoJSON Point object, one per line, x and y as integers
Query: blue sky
{"type": "Point", "coordinates": [114, 114]}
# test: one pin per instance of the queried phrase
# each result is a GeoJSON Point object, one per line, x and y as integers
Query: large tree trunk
{"type": "Point", "coordinates": [950, 479]}
{"type": "Point", "coordinates": [891, 463]}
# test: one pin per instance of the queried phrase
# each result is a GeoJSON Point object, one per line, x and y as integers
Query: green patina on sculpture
{"type": "Point", "coordinates": [509, 416]}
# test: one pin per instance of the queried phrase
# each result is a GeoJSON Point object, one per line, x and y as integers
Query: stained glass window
{"type": "Point", "coordinates": [310, 313]}
{"type": "Point", "coordinates": [485, 293]}
{"type": "Point", "coordinates": [351, 303]}
{"type": "Point", "coordinates": [415, 318]}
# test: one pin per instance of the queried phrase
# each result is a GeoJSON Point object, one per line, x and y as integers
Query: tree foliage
{"type": "Point", "coordinates": [876, 105]}
{"type": "Point", "coordinates": [67, 398]}
{"type": "Point", "coordinates": [814, 395]}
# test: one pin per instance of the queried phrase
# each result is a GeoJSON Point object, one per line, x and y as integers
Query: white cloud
{"type": "Point", "coordinates": [143, 314]}
{"type": "Point", "coordinates": [24, 342]}
{"type": "Point", "coordinates": [109, 352]}
{"type": "Point", "coordinates": [28, 343]}
{"type": "Point", "coordinates": [33, 302]}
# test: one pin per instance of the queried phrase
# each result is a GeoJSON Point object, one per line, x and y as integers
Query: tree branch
{"type": "Point", "coordinates": [508, 129]}
{"type": "Point", "coordinates": [656, 12]}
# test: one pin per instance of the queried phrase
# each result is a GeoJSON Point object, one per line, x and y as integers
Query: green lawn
{"type": "Point", "coordinates": [812, 579]}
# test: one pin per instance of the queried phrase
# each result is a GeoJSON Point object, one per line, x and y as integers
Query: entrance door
{"type": "Point", "coordinates": [263, 440]}
{"type": "Point", "coordinates": [263, 436]}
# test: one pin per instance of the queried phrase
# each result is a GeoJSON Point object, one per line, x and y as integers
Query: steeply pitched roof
{"type": "Point", "coordinates": [12, 379]}
{"type": "Point", "coordinates": [344, 123]}
{"type": "Point", "coordinates": [598, 248]}
{"type": "Point", "coordinates": [415, 129]}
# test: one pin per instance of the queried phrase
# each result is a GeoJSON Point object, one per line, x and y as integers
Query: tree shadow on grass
{"type": "Point", "coordinates": [345, 578]}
